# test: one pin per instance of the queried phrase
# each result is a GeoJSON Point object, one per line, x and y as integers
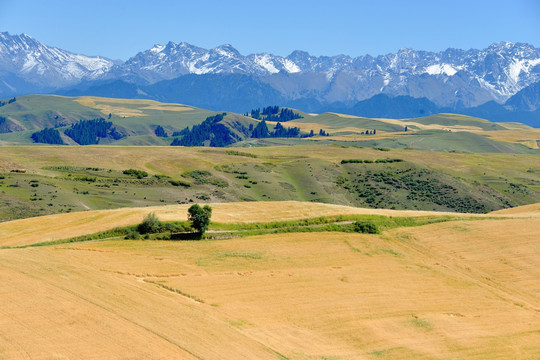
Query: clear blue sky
{"type": "Point", "coordinates": [118, 29]}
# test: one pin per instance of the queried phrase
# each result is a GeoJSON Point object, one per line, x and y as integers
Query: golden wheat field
{"type": "Point", "coordinates": [465, 289]}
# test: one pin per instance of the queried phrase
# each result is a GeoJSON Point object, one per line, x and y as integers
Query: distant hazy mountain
{"type": "Point", "coordinates": [527, 99]}
{"type": "Point", "coordinates": [397, 107]}
{"type": "Point", "coordinates": [452, 79]}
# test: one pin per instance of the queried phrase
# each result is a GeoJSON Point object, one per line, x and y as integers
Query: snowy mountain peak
{"type": "Point", "coordinates": [48, 66]}
{"type": "Point", "coordinates": [157, 48]}
{"type": "Point", "coordinates": [402, 51]}
{"type": "Point", "coordinates": [227, 50]}
{"type": "Point", "coordinates": [501, 45]}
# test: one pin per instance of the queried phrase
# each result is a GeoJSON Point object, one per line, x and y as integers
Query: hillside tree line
{"type": "Point", "coordinates": [274, 113]}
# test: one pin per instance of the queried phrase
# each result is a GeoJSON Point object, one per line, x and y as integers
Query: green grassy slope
{"type": "Point", "coordinates": [439, 140]}
{"type": "Point", "coordinates": [337, 121]}
{"type": "Point", "coordinates": [138, 118]}
{"type": "Point", "coordinates": [61, 179]}
{"type": "Point", "coordinates": [455, 119]}
{"type": "Point", "coordinates": [34, 112]}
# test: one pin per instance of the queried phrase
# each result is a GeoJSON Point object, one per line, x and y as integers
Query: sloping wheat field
{"type": "Point", "coordinates": [463, 289]}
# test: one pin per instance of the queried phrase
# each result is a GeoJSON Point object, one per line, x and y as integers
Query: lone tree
{"type": "Point", "coordinates": [199, 217]}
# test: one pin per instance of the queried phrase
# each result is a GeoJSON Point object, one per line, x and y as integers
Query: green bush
{"type": "Point", "coordinates": [200, 176]}
{"type": "Point", "coordinates": [175, 227]}
{"type": "Point", "coordinates": [179, 183]}
{"type": "Point", "coordinates": [139, 174]}
{"type": "Point", "coordinates": [365, 227]}
{"type": "Point", "coordinates": [149, 225]}
{"type": "Point", "coordinates": [132, 235]}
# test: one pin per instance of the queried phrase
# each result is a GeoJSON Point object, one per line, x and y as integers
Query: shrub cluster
{"type": "Point", "coordinates": [152, 225]}
{"type": "Point", "coordinates": [365, 227]}
{"type": "Point", "coordinates": [383, 188]}
{"type": "Point", "coordinates": [139, 174]}
{"type": "Point", "coordinates": [360, 161]}
{"type": "Point", "coordinates": [179, 183]}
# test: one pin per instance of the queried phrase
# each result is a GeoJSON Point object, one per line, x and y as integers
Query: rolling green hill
{"type": "Point", "coordinates": [440, 140]}
{"type": "Point", "coordinates": [66, 179]}
{"type": "Point", "coordinates": [460, 120]}
{"type": "Point", "coordinates": [134, 123]}
{"type": "Point", "coordinates": [135, 118]}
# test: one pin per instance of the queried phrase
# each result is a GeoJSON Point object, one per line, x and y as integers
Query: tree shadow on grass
{"type": "Point", "coordinates": [187, 236]}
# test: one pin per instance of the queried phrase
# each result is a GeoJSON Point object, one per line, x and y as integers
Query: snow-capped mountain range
{"type": "Point", "coordinates": [454, 77]}
{"type": "Point", "coordinates": [47, 66]}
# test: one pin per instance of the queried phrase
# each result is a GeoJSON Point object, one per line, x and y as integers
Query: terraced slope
{"type": "Point", "coordinates": [460, 289]}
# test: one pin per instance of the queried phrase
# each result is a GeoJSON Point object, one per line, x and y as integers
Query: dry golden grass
{"type": "Point", "coordinates": [114, 106]}
{"type": "Point", "coordinates": [525, 210]}
{"type": "Point", "coordinates": [527, 137]}
{"type": "Point", "coordinates": [465, 289]}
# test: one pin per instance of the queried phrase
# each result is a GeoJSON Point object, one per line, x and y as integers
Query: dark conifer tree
{"type": "Point", "coordinates": [47, 136]}
{"type": "Point", "coordinates": [160, 131]}
{"type": "Point", "coordinates": [260, 131]}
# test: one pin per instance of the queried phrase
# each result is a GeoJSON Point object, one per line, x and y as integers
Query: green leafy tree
{"type": "Point", "coordinates": [199, 217]}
